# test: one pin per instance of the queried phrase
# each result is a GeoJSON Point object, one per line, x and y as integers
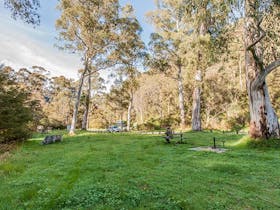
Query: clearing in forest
{"type": "Point", "coordinates": [130, 171]}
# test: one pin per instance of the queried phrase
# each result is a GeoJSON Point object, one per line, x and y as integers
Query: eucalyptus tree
{"type": "Point", "coordinates": [155, 100]}
{"type": "Point", "coordinates": [129, 54]}
{"type": "Point", "coordinates": [87, 104]}
{"type": "Point", "coordinates": [122, 94]}
{"type": "Point", "coordinates": [118, 98]}
{"type": "Point", "coordinates": [130, 86]}
{"type": "Point", "coordinates": [262, 57]}
{"type": "Point", "coordinates": [205, 21]}
{"type": "Point", "coordinates": [87, 27]}
{"type": "Point", "coordinates": [187, 34]}
{"type": "Point", "coordinates": [94, 85]}
{"type": "Point", "coordinates": [35, 81]}
{"type": "Point", "coordinates": [59, 108]}
{"type": "Point", "coordinates": [166, 44]}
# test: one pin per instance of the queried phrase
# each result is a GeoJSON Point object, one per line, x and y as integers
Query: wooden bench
{"type": "Point", "coordinates": [169, 135]}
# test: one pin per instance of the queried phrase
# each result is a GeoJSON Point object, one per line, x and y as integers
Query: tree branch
{"type": "Point", "coordinates": [263, 34]}
{"type": "Point", "coordinates": [262, 75]}
{"type": "Point", "coordinates": [83, 42]}
{"type": "Point", "coordinates": [272, 66]}
{"type": "Point", "coordinates": [95, 71]}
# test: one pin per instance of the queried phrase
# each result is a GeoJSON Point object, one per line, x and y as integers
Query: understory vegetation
{"type": "Point", "coordinates": [133, 171]}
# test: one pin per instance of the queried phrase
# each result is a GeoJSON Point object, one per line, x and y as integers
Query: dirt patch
{"type": "Point", "coordinates": [209, 149]}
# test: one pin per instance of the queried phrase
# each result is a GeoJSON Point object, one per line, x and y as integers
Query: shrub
{"type": "Point", "coordinates": [237, 123]}
{"type": "Point", "coordinates": [159, 123]}
{"type": "Point", "coordinates": [170, 121]}
{"type": "Point", "coordinates": [14, 114]}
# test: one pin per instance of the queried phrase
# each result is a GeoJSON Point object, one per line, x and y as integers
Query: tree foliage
{"type": "Point", "coordinates": [14, 111]}
{"type": "Point", "coordinates": [27, 10]}
{"type": "Point", "coordinates": [196, 52]}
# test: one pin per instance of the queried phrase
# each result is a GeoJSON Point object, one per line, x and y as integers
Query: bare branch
{"type": "Point", "coordinates": [272, 66]}
{"type": "Point", "coordinates": [262, 75]}
{"type": "Point", "coordinates": [83, 42]}
{"type": "Point", "coordinates": [92, 72]}
{"type": "Point", "coordinates": [99, 69]}
{"type": "Point", "coordinates": [263, 34]}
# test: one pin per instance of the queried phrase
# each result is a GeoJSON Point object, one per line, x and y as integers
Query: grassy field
{"type": "Point", "coordinates": [130, 171]}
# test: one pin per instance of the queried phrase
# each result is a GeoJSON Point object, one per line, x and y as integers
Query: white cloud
{"type": "Point", "coordinates": [23, 52]}
{"type": "Point", "coordinates": [22, 46]}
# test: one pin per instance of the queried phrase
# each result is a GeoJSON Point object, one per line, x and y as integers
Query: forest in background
{"type": "Point", "coordinates": [193, 74]}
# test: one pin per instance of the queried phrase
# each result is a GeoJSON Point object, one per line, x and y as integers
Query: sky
{"type": "Point", "coordinates": [22, 45]}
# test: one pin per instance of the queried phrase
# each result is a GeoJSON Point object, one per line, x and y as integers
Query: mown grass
{"type": "Point", "coordinates": [129, 171]}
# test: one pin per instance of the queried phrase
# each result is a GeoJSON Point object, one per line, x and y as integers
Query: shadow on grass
{"type": "Point", "coordinates": [262, 144]}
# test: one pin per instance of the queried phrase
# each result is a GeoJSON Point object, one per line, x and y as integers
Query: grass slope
{"type": "Point", "coordinates": [129, 171]}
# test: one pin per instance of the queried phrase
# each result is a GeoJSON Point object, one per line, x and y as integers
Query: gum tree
{"type": "Point", "coordinates": [187, 37]}
{"type": "Point", "coordinates": [262, 57]}
{"type": "Point", "coordinates": [128, 55]}
{"type": "Point", "coordinates": [165, 45]}
{"type": "Point", "coordinates": [205, 21]}
{"type": "Point", "coordinates": [88, 29]}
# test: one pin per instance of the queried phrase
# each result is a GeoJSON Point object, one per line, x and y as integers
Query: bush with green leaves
{"type": "Point", "coordinates": [14, 113]}
{"type": "Point", "coordinates": [159, 123]}
{"type": "Point", "coordinates": [237, 118]}
{"type": "Point", "coordinates": [237, 124]}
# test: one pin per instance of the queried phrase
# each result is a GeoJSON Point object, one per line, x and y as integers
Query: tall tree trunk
{"type": "Point", "coordinates": [181, 97]}
{"type": "Point", "coordinates": [263, 119]}
{"type": "Point", "coordinates": [84, 122]}
{"type": "Point", "coordinates": [121, 119]}
{"type": "Point", "coordinates": [86, 114]}
{"type": "Point", "coordinates": [77, 103]}
{"type": "Point", "coordinates": [196, 112]}
{"type": "Point", "coordinates": [129, 112]}
{"type": "Point", "coordinates": [196, 119]}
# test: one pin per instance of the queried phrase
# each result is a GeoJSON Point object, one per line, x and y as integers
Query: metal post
{"type": "Point", "coordinates": [181, 135]}
{"type": "Point", "coordinates": [214, 139]}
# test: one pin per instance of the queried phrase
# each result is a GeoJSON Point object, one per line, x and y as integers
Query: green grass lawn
{"type": "Point", "coordinates": [129, 171]}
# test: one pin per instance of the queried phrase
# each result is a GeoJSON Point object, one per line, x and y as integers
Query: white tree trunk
{"type": "Point", "coordinates": [196, 119]}
{"type": "Point", "coordinates": [196, 111]}
{"type": "Point", "coordinates": [86, 114]}
{"type": "Point", "coordinates": [77, 103]}
{"type": "Point", "coordinates": [129, 112]}
{"type": "Point", "coordinates": [263, 119]}
{"type": "Point", "coordinates": [84, 119]}
{"type": "Point", "coordinates": [181, 97]}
